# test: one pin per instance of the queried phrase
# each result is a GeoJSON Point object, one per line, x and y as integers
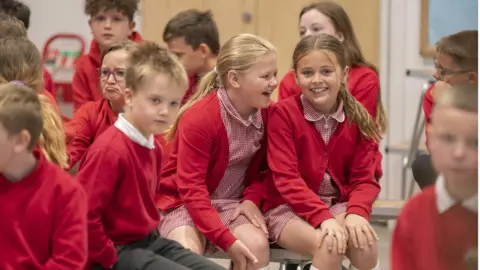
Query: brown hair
{"type": "Point", "coordinates": [196, 27]}
{"type": "Point", "coordinates": [126, 45]}
{"type": "Point", "coordinates": [21, 61]}
{"type": "Point", "coordinates": [21, 109]}
{"type": "Point", "coordinates": [11, 26]}
{"type": "Point", "coordinates": [147, 58]}
{"type": "Point", "coordinates": [353, 109]}
{"type": "Point", "coordinates": [16, 9]}
{"type": "Point", "coordinates": [462, 47]}
{"type": "Point", "coordinates": [342, 24]}
{"type": "Point", "coordinates": [239, 53]}
{"type": "Point", "coordinates": [461, 96]}
{"type": "Point", "coordinates": [127, 7]}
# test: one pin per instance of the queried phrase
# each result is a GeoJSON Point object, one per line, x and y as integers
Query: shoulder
{"type": "Point", "coordinates": [363, 75]}
{"type": "Point", "coordinates": [203, 116]}
{"type": "Point", "coordinates": [111, 141]}
{"type": "Point", "coordinates": [420, 204]}
{"type": "Point", "coordinates": [286, 109]}
{"type": "Point", "coordinates": [66, 187]}
{"type": "Point", "coordinates": [288, 78]}
{"type": "Point", "coordinates": [90, 106]}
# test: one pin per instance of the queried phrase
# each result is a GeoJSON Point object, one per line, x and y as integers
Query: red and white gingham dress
{"type": "Point", "coordinates": [329, 193]}
{"type": "Point", "coordinates": [244, 141]}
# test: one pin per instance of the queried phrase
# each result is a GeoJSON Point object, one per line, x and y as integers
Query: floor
{"type": "Point", "coordinates": [383, 232]}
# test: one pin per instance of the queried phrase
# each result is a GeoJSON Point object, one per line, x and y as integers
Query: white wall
{"type": "Point", "coordinates": [399, 51]}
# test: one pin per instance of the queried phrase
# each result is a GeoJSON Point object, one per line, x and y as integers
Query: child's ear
{"type": "Point", "coordinates": [22, 140]}
{"type": "Point", "coordinates": [232, 78]}
{"type": "Point", "coordinates": [204, 50]}
{"type": "Point", "coordinates": [128, 94]}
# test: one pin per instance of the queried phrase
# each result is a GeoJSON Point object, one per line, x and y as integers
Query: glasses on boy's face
{"type": "Point", "coordinates": [443, 72]}
{"type": "Point", "coordinates": [117, 73]}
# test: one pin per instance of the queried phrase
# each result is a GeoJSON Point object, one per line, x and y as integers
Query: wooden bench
{"type": "Point", "coordinates": [382, 210]}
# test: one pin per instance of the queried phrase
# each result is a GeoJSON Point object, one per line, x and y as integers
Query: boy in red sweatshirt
{"type": "Point", "coordinates": [455, 62]}
{"type": "Point", "coordinates": [43, 209]}
{"type": "Point", "coordinates": [437, 229]}
{"type": "Point", "coordinates": [193, 36]}
{"type": "Point", "coordinates": [121, 171]}
{"type": "Point", "coordinates": [110, 21]}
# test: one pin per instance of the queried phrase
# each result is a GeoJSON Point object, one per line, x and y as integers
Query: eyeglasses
{"type": "Point", "coordinates": [443, 72]}
{"type": "Point", "coordinates": [118, 74]}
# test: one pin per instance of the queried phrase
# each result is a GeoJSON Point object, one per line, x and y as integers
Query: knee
{"type": "Point", "coordinates": [257, 242]}
{"type": "Point", "coordinates": [366, 258]}
{"type": "Point", "coordinates": [133, 259]}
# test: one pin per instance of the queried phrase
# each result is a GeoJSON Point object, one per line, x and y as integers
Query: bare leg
{"type": "Point", "coordinates": [189, 237]}
{"type": "Point", "coordinates": [256, 241]}
{"type": "Point", "coordinates": [363, 259]}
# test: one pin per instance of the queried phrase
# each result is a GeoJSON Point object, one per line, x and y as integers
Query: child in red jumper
{"type": "Point", "coordinates": [21, 61]}
{"type": "Point", "coordinates": [43, 209]}
{"type": "Point", "coordinates": [121, 171]}
{"type": "Point", "coordinates": [455, 62]}
{"type": "Point", "coordinates": [437, 229]}
{"type": "Point", "coordinates": [212, 187]}
{"type": "Point", "coordinates": [322, 146]}
{"type": "Point", "coordinates": [362, 77]}
{"type": "Point", "coordinates": [110, 21]}
{"type": "Point", "coordinates": [193, 36]}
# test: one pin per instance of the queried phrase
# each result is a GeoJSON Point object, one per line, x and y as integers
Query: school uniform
{"type": "Point", "coordinates": [321, 166]}
{"type": "Point", "coordinates": [120, 173]}
{"type": "Point", "coordinates": [214, 165]}
{"type": "Point", "coordinates": [193, 81]}
{"type": "Point", "coordinates": [86, 80]}
{"type": "Point", "coordinates": [48, 82]}
{"type": "Point", "coordinates": [91, 120]}
{"type": "Point", "coordinates": [362, 83]}
{"type": "Point", "coordinates": [43, 220]}
{"type": "Point", "coordinates": [434, 231]}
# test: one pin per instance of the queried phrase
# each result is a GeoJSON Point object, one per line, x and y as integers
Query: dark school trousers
{"type": "Point", "coordinates": [157, 253]}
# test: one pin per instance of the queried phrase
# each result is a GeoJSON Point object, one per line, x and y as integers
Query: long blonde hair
{"type": "Point", "coordinates": [353, 109]}
{"type": "Point", "coordinates": [239, 53]}
{"type": "Point", "coordinates": [21, 61]}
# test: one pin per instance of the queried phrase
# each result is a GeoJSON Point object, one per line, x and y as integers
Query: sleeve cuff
{"type": "Point", "coordinates": [317, 220]}
{"type": "Point", "coordinates": [108, 258]}
{"type": "Point", "coordinates": [257, 200]}
{"type": "Point", "coordinates": [358, 210]}
{"type": "Point", "coordinates": [226, 240]}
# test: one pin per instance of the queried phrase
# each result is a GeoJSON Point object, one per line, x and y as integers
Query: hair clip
{"type": "Point", "coordinates": [18, 82]}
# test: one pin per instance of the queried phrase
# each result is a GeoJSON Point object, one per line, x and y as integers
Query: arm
{"type": "Point", "coordinates": [362, 188]}
{"type": "Point", "coordinates": [194, 145]}
{"type": "Point", "coordinates": [81, 95]}
{"type": "Point", "coordinates": [283, 162]}
{"type": "Point", "coordinates": [402, 254]}
{"type": "Point", "coordinates": [79, 134]}
{"type": "Point", "coordinates": [99, 173]}
{"type": "Point", "coordinates": [69, 241]}
{"type": "Point", "coordinates": [366, 91]}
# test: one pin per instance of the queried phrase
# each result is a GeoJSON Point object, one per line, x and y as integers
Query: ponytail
{"type": "Point", "coordinates": [52, 139]}
{"type": "Point", "coordinates": [355, 112]}
{"type": "Point", "coordinates": [208, 83]}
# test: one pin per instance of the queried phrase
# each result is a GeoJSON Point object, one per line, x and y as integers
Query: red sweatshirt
{"type": "Point", "coordinates": [196, 165]}
{"type": "Point", "coordinates": [43, 220]}
{"type": "Point", "coordinates": [48, 82]}
{"type": "Point", "coordinates": [192, 88]}
{"type": "Point", "coordinates": [86, 80]}
{"type": "Point", "coordinates": [425, 239]}
{"type": "Point", "coordinates": [363, 84]}
{"type": "Point", "coordinates": [120, 178]}
{"type": "Point", "coordinates": [298, 159]}
{"type": "Point", "coordinates": [427, 108]}
{"type": "Point", "coordinates": [91, 120]}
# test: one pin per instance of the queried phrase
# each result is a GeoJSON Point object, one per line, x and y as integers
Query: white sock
{"type": "Point", "coordinates": [313, 267]}
{"type": "Point", "coordinates": [377, 267]}
{"type": "Point", "coordinates": [265, 268]}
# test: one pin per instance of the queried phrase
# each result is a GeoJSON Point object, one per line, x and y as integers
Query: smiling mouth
{"type": "Point", "coordinates": [267, 93]}
{"type": "Point", "coordinates": [319, 89]}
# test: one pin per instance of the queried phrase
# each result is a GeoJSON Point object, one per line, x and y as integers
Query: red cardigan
{"type": "Point", "coordinates": [298, 158]}
{"type": "Point", "coordinates": [425, 239]}
{"type": "Point", "coordinates": [363, 84]}
{"type": "Point", "coordinates": [427, 108]}
{"type": "Point", "coordinates": [197, 163]}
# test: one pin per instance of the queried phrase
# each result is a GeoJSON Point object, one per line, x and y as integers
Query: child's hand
{"type": "Point", "coordinates": [360, 231]}
{"type": "Point", "coordinates": [341, 219]}
{"type": "Point", "coordinates": [240, 256]}
{"type": "Point", "coordinates": [334, 230]}
{"type": "Point", "coordinates": [251, 211]}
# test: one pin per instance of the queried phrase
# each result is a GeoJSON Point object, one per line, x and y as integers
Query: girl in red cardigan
{"type": "Point", "coordinates": [212, 188]}
{"type": "Point", "coordinates": [362, 77]}
{"type": "Point", "coordinates": [322, 145]}
{"type": "Point", "coordinates": [438, 228]}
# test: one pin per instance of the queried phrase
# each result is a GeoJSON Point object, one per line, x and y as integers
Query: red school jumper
{"type": "Point", "coordinates": [86, 80]}
{"type": "Point", "coordinates": [43, 220]}
{"type": "Point", "coordinates": [91, 120]}
{"type": "Point", "coordinates": [298, 159]}
{"type": "Point", "coordinates": [428, 103]}
{"type": "Point", "coordinates": [120, 177]}
{"type": "Point", "coordinates": [426, 239]}
{"type": "Point", "coordinates": [362, 83]}
{"type": "Point", "coordinates": [192, 87]}
{"type": "Point", "coordinates": [192, 175]}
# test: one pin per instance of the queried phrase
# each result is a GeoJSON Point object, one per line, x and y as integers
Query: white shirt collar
{"type": "Point", "coordinates": [133, 133]}
{"type": "Point", "coordinates": [445, 201]}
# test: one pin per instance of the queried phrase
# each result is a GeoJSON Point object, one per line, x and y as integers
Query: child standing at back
{"type": "Point", "coordinates": [121, 171]}
{"type": "Point", "coordinates": [110, 21]}
{"type": "Point", "coordinates": [322, 146]}
{"type": "Point", "coordinates": [193, 36]}
{"type": "Point", "coordinates": [21, 62]}
{"type": "Point", "coordinates": [43, 209]}
{"type": "Point", "coordinates": [362, 80]}
{"type": "Point", "coordinates": [437, 229]}
{"type": "Point", "coordinates": [212, 185]}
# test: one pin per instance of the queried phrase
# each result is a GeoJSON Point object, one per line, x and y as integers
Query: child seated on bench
{"type": "Point", "coordinates": [437, 229]}
{"type": "Point", "coordinates": [322, 147]}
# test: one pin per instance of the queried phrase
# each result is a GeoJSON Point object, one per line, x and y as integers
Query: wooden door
{"type": "Point", "coordinates": [229, 15]}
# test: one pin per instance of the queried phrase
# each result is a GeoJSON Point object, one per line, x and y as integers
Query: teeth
{"type": "Point", "coordinates": [318, 90]}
